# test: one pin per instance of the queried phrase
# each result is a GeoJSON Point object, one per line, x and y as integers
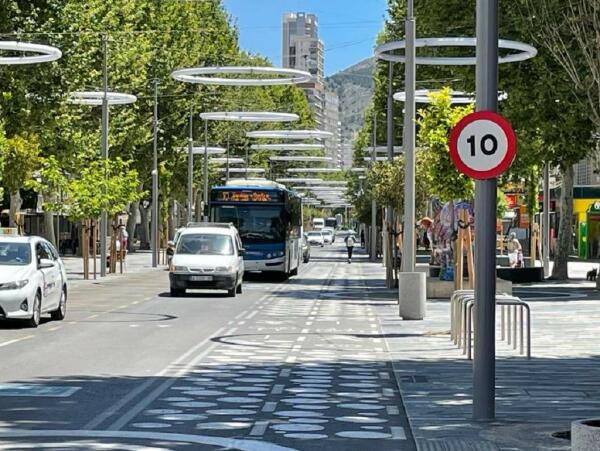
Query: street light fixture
{"type": "Point", "coordinates": [290, 134]}
{"type": "Point", "coordinates": [41, 53]}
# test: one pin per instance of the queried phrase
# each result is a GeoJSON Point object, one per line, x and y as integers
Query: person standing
{"type": "Point", "coordinates": [350, 241]}
{"type": "Point", "coordinates": [362, 238]}
{"type": "Point", "coordinates": [514, 249]}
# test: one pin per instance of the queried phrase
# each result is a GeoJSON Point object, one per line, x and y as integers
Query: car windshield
{"type": "Point", "coordinates": [204, 244]}
{"type": "Point", "coordinates": [315, 234]}
{"type": "Point", "coordinates": [15, 254]}
{"type": "Point", "coordinates": [327, 232]}
{"type": "Point", "coordinates": [255, 224]}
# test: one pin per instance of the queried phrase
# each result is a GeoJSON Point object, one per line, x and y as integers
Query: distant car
{"type": "Point", "coordinates": [328, 236]}
{"type": "Point", "coordinates": [33, 280]}
{"type": "Point", "coordinates": [305, 249]}
{"type": "Point", "coordinates": [315, 238]}
{"type": "Point", "coordinates": [207, 256]}
{"type": "Point", "coordinates": [318, 223]}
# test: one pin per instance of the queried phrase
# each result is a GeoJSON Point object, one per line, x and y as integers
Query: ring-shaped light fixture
{"type": "Point", "coordinates": [200, 150]}
{"type": "Point", "coordinates": [384, 149]}
{"type": "Point", "coordinates": [95, 98]}
{"type": "Point", "coordinates": [368, 159]}
{"type": "Point", "coordinates": [298, 180]}
{"type": "Point", "coordinates": [290, 134]}
{"type": "Point", "coordinates": [358, 169]}
{"type": "Point", "coordinates": [249, 116]}
{"type": "Point", "coordinates": [300, 158]}
{"type": "Point", "coordinates": [225, 160]}
{"type": "Point", "coordinates": [315, 170]}
{"type": "Point", "coordinates": [331, 182]}
{"type": "Point", "coordinates": [276, 76]}
{"type": "Point", "coordinates": [456, 97]}
{"type": "Point", "coordinates": [41, 53]}
{"type": "Point", "coordinates": [243, 170]}
{"type": "Point", "coordinates": [386, 51]}
{"type": "Point", "coordinates": [282, 147]}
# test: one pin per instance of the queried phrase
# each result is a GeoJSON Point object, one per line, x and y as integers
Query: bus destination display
{"type": "Point", "coordinates": [247, 196]}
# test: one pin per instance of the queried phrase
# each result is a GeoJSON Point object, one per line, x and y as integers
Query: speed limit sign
{"type": "Point", "coordinates": [483, 145]}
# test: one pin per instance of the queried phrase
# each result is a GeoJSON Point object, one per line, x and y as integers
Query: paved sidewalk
{"type": "Point", "coordinates": [134, 263]}
{"type": "Point", "coordinates": [534, 398]}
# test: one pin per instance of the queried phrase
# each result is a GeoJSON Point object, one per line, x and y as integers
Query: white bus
{"type": "Point", "coordinates": [318, 223]}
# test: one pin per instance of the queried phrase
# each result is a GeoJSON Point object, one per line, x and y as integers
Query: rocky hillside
{"type": "Point", "coordinates": [354, 86]}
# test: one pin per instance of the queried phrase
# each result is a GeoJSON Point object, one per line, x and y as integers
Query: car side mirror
{"type": "Point", "coordinates": [171, 243]}
{"type": "Point", "coordinates": [242, 252]}
{"type": "Point", "coordinates": [44, 263]}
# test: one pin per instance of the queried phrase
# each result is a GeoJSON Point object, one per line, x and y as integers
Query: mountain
{"type": "Point", "coordinates": [354, 87]}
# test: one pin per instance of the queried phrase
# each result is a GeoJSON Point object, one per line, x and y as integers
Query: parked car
{"type": "Point", "coordinates": [328, 236]}
{"type": "Point", "coordinates": [305, 249]}
{"type": "Point", "coordinates": [315, 238]}
{"type": "Point", "coordinates": [210, 256]}
{"type": "Point", "coordinates": [33, 280]}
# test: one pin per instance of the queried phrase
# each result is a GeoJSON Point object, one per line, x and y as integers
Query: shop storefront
{"type": "Point", "coordinates": [586, 212]}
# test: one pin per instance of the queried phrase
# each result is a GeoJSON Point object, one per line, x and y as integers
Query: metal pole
{"type": "Point", "coordinates": [227, 171]}
{"type": "Point", "coordinates": [408, 254]}
{"type": "Point", "coordinates": [546, 221]}
{"type": "Point", "coordinates": [190, 181]}
{"type": "Point", "coordinates": [484, 362]}
{"type": "Point", "coordinates": [390, 113]}
{"type": "Point", "coordinates": [104, 144]}
{"type": "Point", "coordinates": [373, 203]}
{"type": "Point", "coordinates": [205, 170]}
{"type": "Point", "coordinates": [154, 230]}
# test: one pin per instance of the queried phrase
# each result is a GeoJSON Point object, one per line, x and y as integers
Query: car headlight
{"type": "Point", "coordinates": [180, 269]}
{"type": "Point", "coordinates": [269, 255]}
{"type": "Point", "coordinates": [17, 285]}
{"type": "Point", "coordinates": [281, 253]}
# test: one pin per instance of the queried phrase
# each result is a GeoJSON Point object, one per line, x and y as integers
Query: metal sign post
{"type": "Point", "coordinates": [484, 362]}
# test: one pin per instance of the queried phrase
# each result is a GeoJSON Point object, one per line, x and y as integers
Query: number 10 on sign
{"type": "Point", "coordinates": [483, 145]}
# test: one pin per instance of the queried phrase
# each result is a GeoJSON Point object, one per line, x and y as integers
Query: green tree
{"type": "Point", "coordinates": [22, 158]}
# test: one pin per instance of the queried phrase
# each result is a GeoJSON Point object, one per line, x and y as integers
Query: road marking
{"type": "Point", "coordinates": [304, 331]}
{"type": "Point", "coordinates": [290, 359]}
{"type": "Point", "coordinates": [301, 339]}
{"type": "Point", "coordinates": [285, 372]}
{"type": "Point", "coordinates": [277, 389]}
{"type": "Point", "coordinates": [388, 392]}
{"type": "Point", "coordinates": [96, 421]}
{"type": "Point", "coordinates": [259, 428]}
{"type": "Point", "coordinates": [54, 328]}
{"type": "Point", "coordinates": [92, 316]}
{"type": "Point", "coordinates": [384, 375]}
{"type": "Point", "coordinates": [241, 323]}
{"type": "Point", "coordinates": [270, 406]}
{"type": "Point", "coordinates": [398, 433]}
{"type": "Point", "coordinates": [231, 331]}
{"type": "Point", "coordinates": [251, 315]}
{"type": "Point", "coordinates": [16, 340]}
{"type": "Point", "coordinates": [392, 410]}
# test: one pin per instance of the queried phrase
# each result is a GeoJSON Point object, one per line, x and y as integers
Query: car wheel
{"type": "Point", "coordinates": [34, 321]}
{"type": "Point", "coordinates": [176, 292]}
{"type": "Point", "coordinates": [60, 313]}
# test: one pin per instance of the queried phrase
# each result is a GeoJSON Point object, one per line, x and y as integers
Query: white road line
{"type": "Point", "coordinates": [251, 315]}
{"type": "Point", "coordinates": [230, 331]}
{"type": "Point", "coordinates": [398, 433]}
{"type": "Point", "coordinates": [388, 392]}
{"type": "Point", "coordinates": [269, 406]}
{"type": "Point", "coordinates": [392, 410]}
{"type": "Point", "coordinates": [384, 375]}
{"type": "Point", "coordinates": [259, 428]}
{"type": "Point", "coordinates": [301, 339]}
{"type": "Point", "coordinates": [285, 372]}
{"type": "Point", "coordinates": [290, 359]}
{"type": "Point", "coordinates": [16, 340]}
{"type": "Point", "coordinates": [304, 331]}
{"type": "Point", "coordinates": [277, 389]}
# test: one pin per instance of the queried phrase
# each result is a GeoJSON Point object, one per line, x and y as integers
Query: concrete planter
{"type": "Point", "coordinates": [585, 435]}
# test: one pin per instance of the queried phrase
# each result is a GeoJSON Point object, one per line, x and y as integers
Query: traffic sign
{"type": "Point", "coordinates": [483, 145]}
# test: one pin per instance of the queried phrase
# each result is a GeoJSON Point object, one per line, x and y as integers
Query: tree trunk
{"type": "Point", "coordinates": [134, 208]}
{"type": "Point", "coordinates": [15, 208]}
{"type": "Point", "coordinates": [49, 232]}
{"type": "Point", "coordinates": [144, 227]}
{"type": "Point", "coordinates": [564, 244]}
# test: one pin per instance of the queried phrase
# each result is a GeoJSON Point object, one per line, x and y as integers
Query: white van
{"type": "Point", "coordinates": [318, 223]}
{"type": "Point", "coordinates": [209, 256]}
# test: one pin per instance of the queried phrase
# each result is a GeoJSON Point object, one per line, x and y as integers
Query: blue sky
{"type": "Point", "coordinates": [348, 28]}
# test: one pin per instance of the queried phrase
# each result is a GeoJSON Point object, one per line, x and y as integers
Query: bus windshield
{"type": "Point", "coordinates": [255, 224]}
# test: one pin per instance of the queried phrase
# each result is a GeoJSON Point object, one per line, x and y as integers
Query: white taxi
{"type": "Point", "coordinates": [207, 255]}
{"type": "Point", "coordinates": [33, 280]}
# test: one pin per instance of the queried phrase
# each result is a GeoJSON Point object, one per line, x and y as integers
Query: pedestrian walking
{"type": "Point", "coordinates": [362, 238]}
{"type": "Point", "coordinates": [350, 241]}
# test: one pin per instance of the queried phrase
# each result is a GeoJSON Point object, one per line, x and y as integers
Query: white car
{"type": "Point", "coordinates": [315, 238]}
{"type": "Point", "coordinates": [328, 237]}
{"type": "Point", "coordinates": [33, 280]}
{"type": "Point", "coordinates": [208, 255]}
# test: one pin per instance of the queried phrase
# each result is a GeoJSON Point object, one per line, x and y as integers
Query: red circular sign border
{"type": "Point", "coordinates": [510, 152]}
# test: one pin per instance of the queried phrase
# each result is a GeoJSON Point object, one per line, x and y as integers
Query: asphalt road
{"type": "Point", "coordinates": [293, 365]}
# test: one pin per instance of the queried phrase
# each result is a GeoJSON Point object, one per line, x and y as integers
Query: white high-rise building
{"type": "Point", "coordinates": [332, 124]}
{"type": "Point", "coordinates": [303, 50]}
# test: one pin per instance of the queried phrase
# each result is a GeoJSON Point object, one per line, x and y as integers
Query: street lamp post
{"type": "Point", "coordinates": [205, 174]}
{"type": "Point", "coordinates": [408, 254]}
{"type": "Point", "coordinates": [373, 203]}
{"type": "Point", "coordinates": [104, 150]}
{"type": "Point", "coordinates": [154, 238]}
{"type": "Point", "coordinates": [484, 362]}
{"type": "Point", "coordinates": [190, 193]}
